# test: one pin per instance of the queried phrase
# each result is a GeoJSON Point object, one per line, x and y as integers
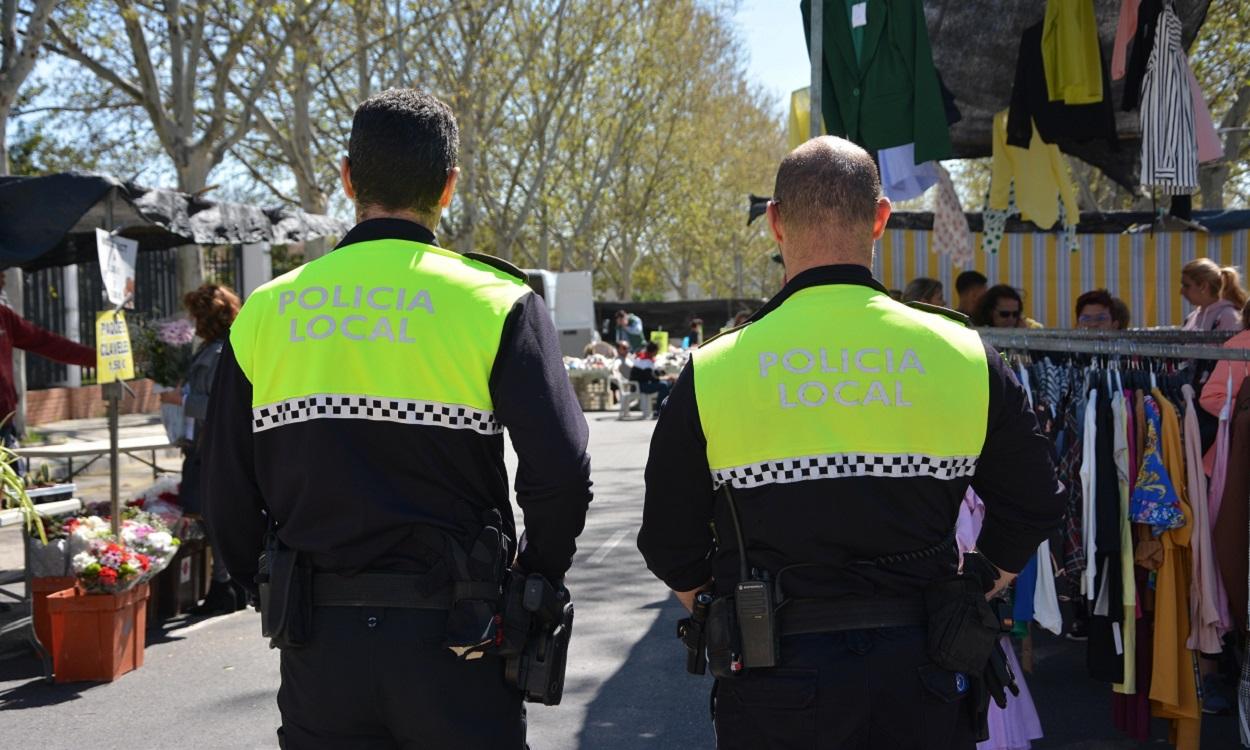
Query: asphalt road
{"type": "Point", "coordinates": [211, 683]}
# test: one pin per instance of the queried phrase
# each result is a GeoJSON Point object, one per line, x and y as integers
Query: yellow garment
{"type": "Point", "coordinates": [1040, 174]}
{"type": "Point", "coordinates": [1070, 53]}
{"type": "Point", "coordinates": [799, 130]}
{"type": "Point", "coordinates": [1129, 598]}
{"type": "Point", "coordinates": [1173, 690]}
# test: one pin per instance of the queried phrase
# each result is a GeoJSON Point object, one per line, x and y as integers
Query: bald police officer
{"type": "Point", "coordinates": [357, 420]}
{"type": "Point", "coordinates": [807, 472]}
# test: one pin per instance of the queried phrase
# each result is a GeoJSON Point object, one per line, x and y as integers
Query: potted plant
{"type": "Point", "coordinates": [98, 624]}
{"type": "Point", "coordinates": [42, 488]}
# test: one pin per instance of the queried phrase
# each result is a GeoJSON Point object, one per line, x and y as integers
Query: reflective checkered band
{"type": "Point", "coordinates": [403, 411]}
{"type": "Point", "coordinates": [833, 466]}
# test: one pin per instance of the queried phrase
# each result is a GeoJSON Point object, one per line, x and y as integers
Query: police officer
{"type": "Point", "coordinates": [835, 433]}
{"type": "Point", "coordinates": [358, 414]}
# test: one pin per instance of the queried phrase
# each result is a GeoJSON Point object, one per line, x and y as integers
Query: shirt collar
{"type": "Point", "coordinates": [388, 229]}
{"type": "Point", "coordinates": [847, 273]}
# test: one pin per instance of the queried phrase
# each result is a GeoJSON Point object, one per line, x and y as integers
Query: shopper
{"type": "Point", "coordinates": [1095, 310]}
{"type": "Point", "coordinates": [970, 286]}
{"type": "Point", "coordinates": [1215, 292]}
{"type": "Point", "coordinates": [643, 373]}
{"type": "Point", "coordinates": [926, 290]}
{"type": "Point", "coordinates": [1000, 307]}
{"type": "Point", "coordinates": [1120, 315]}
{"type": "Point", "coordinates": [628, 329]}
{"type": "Point", "coordinates": [213, 307]}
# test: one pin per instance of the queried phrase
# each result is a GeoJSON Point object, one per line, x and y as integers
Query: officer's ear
{"type": "Point", "coordinates": [345, 172]}
{"type": "Point", "coordinates": [774, 221]}
{"type": "Point", "coordinates": [883, 216]}
{"type": "Point", "coordinates": [449, 189]}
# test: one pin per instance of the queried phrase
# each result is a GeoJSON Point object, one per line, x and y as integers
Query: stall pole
{"type": "Point", "coordinates": [113, 395]}
{"type": "Point", "coordinates": [817, 47]}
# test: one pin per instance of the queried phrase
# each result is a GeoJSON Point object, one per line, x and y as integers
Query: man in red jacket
{"type": "Point", "coordinates": [15, 331]}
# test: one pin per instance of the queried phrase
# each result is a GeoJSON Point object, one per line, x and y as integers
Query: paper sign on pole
{"type": "Point", "coordinates": [660, 338]}
{"type": "Point", "coordinates": [117, 267]}
{"type": "Point", "coordinates": [114, 359]}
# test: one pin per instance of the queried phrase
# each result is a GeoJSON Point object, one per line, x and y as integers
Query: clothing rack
{"type": "Point", "coordinates": [1114, 343]}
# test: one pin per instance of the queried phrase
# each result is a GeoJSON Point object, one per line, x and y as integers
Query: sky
{"type": "Point", "coordinates": [772, 31]}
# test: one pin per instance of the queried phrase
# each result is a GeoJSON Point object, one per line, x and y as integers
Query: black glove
{"type": "Point", "coordinates": [976, 566]}
{"type": "Point", "coordinates": [998, 677]}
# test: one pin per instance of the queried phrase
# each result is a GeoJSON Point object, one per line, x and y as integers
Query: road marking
{"type": "Point", "coordinates": [601, 554]}
{"type": "Point", "coordinates": [205, 623]}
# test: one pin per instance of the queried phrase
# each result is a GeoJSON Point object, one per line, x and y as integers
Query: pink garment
{"type": "Point", "coordinates": [1209, 617]}
{"type": "Point", "coordinates": [1216, 390]}
{"type": "Point", "coordinates": [1016, 726]}
{"type": "Point", "coordinates": [1220, 315]}
{"type": "Point", "coordinates": [1124, 33]}
{"type": "Point", "coordinates": [1210, 148]}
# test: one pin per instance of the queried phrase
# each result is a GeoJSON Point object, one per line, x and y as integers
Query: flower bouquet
{"type": "Point", "coordinates": [163, 352]}
{"type": "Point", "coordinates": [110, 568]}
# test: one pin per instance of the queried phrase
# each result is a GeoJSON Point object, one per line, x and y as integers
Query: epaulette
{"type": "Point", "coordinates": [945, 312]}
{"type": "Point", "coordinates": [725, 332]}
{"type": "Point", "coordinates": [498, 263]}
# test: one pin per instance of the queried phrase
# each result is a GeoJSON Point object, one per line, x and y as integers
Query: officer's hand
{"type": "Point", "coordinates": [998, 677]}
{"type": "Point", "coordinates": [687, 597]}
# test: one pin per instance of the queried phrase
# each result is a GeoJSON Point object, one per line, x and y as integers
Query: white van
{"type": "Point", "coordinates": [570, 296]}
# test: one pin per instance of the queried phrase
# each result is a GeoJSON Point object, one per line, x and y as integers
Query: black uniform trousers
{"type": "Point", "coordinates": [852, 690]}
{"type": "Point", "coordinates": [373, 678]}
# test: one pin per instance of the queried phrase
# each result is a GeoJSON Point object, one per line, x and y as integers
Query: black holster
{"type": "Point", "coordinates": [285, 588]}
{"type": "Point", "coordinates": [476, 576]}
{"type": "Point", "coordinates": [537, 623]}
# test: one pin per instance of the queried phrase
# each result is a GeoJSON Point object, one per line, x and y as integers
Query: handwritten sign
{"type": "Point", "coordinates": [114, 358]}
{"type": "Point", "coordinates": [117, 267]}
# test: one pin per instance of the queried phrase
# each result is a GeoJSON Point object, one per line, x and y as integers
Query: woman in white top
{"type": "Point", "coordinates": [1216, 294]}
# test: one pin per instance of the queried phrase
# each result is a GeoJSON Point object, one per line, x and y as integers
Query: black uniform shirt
{"type": "Point", "coordinates": [349, 492]}
{"type": "Point", "coordinates": [842, 523]}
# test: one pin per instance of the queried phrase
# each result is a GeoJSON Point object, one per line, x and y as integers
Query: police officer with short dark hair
{"type": "Point", "coordinates": [356, 437]}
{"type": "Point", "coordinates": [804, 482]}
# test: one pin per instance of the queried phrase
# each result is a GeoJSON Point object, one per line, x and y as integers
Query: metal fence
{"type": "Point", "coordinates": [156, 296]}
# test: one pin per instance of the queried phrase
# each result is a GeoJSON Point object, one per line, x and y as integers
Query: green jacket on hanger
{"type": "Point", "coordinates": [881, 91]}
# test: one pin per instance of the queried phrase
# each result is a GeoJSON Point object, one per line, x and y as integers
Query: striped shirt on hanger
{"type": "Point", "coordinates": [1169, 146]}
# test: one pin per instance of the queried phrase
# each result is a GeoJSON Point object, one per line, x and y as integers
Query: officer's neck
{"type": "Point", "coordinates": [798, 263]}
{"type": "Point", "coordinates": [365, 213]}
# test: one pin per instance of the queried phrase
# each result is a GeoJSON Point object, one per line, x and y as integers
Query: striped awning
{"type": "Point", "coordinates": [1142, 269]}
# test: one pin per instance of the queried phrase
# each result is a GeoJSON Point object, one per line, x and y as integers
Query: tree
{"type": "Point", "coordinates": [19, 49]}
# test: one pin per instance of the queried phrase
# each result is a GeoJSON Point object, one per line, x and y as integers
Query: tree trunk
{"type": "Point", "coordinates": [4, 140]}
{"type": "Point", "coordinates": [1212, 179]}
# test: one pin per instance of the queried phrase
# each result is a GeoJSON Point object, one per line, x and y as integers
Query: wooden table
{"type": "Point", "coordinates": [96, 449]}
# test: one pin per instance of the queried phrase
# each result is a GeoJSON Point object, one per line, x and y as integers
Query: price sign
{"type": "Point", "coordinates": [117, 267]}
{"type": "Point", "coordinates": [114, 358]}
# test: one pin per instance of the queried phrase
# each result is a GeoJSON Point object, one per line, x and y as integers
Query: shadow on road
{"type": "Point", "coordinates": [34, 692]}
{"type": "Point", "coordinates": [651, 701]}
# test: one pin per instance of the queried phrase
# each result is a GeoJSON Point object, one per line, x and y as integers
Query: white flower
{"type": "Point", "coordinates": [82, 561]}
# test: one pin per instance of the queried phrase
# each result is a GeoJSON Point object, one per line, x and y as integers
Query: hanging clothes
{"type": "Point", "coordinates": [1169, 141]}
{"type": "Point", "coordinates": [1057, 121]}
{"type": "Point", "coordinates": [1210, 147]}
{"type": "Point", "coordinates": [1128, 589]}
{"type": "Point", "coordinates": [1070, 53]}
{"type": "Point", "coordinates": [1124, 32]}
{"type": "Point", "coordinates": [1148, 12]}
{"type": "Point", "coordinates": [901, 177]}
{"type": "Point", "coordinates": [883, 92]}
{"type": "Point", "coordinates": [1173, 688]}
{"type": "Point", "coordinates": [1105, 650]}
{"type": "Point", "coordinates": [1155, 502]}
{"type": "Point", "coordinates": [1089, 520]}
{"type": "Point", "coordinates": [1232, 545]}
{"type": "Point", "coordinates": [1206, 622]}
{"type": "Point", "coordinates": [951, 233]}
{"type": "Point", "coordinates": [1039, 173]}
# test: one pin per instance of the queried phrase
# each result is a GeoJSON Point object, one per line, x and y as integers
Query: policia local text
{"type": "Point", "coordinates": [355, 327]}
{"type": "Point", "coordinates": [815, 393]}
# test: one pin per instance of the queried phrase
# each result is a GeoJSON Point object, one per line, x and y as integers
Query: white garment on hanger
{"type": "Point", "coordinates": [1089, 523]}
{"type": "Point", "coordinates": [1045, 595]}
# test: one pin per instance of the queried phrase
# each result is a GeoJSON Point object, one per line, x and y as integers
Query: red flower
{"type": "Point", "coordinates": [108, 576]}
{"type": "Point", "coordinates": [144, 561]}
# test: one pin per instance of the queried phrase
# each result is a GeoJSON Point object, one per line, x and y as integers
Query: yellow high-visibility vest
{"type": "Point", "coordinates": [841, 380]}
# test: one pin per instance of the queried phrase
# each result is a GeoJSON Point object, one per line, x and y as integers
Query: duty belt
{"type": "Point", "coordinates": [392, 590]}
{"type": "Point", "coordinates": [799, 616]}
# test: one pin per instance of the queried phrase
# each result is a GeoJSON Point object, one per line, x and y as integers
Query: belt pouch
{"type": "Point", "coordinates": [286, 599]}
{"type": "Point", "coordinates": [962, 627]}
{"type": "Point", "coordinates": [722, 637]}
{"type": "Point", "coordinates": [476, 577]}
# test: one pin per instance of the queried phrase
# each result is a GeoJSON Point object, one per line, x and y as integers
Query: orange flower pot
{"type": "Point", "coordinates": [40, 588]}
{"type": "Point", "coordinates": [97, 637]}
